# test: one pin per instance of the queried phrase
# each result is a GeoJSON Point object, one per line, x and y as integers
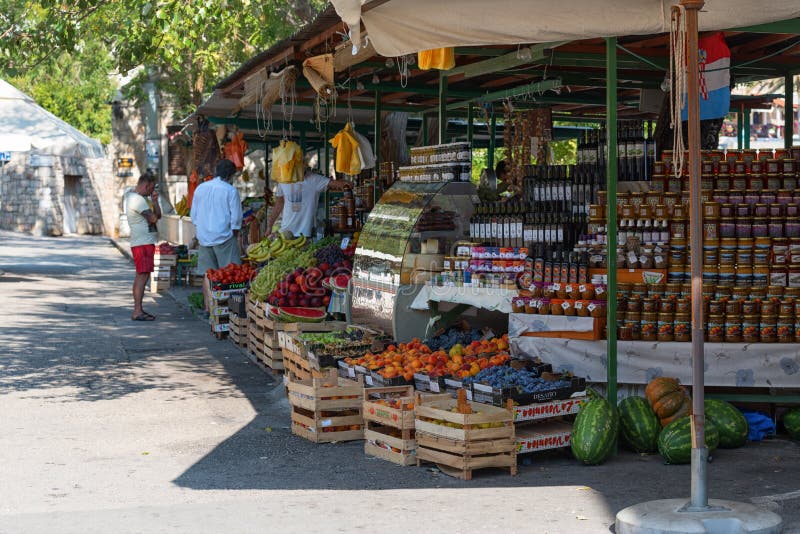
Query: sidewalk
{"type": "Point", "coordinates": [117, 426]}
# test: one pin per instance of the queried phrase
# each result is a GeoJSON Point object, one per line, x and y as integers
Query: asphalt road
{"type": "Point", "coordinates": [110, 425]}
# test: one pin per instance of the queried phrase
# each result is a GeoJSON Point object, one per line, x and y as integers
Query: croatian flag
{"type": "Point", "coordinates": [715, 77]}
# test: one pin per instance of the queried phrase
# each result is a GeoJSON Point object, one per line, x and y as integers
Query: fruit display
{"type": "Point", "coordinates": [405, 359]}
{"type": "Point", "coordinates": [267, 250]}
{"type": "Point", "coordinates": [330, 254]}
{"type": "Point", "coordinates": [729, 422]}
{"type": "Point", "coordinates": [182, 208]}
{"type": "Point", "coordinates": [675, 440]}
{"type": "Point", "coordinates": [231, 274]}
{"type": "Point", "coordinates": [668, 399]}
{"type": "Point", "coordinates": [297, 314]}
{"type": "Point", "coordinates": [278, 270]}
{"type": "Point", "coordinates": [519, 380]}
{"type": "Point", "coordinates": [300, 287]}
{"type": "Point", "coordinates": [594, 431]}
{"type": "Point", "coordinates": [332, 338]}
{"type": "Point", "coordinates": [791, 422]}
{"type": "Point", "coordinates": [165, 249]}
{"type": "Point", "coordinates": [454, 336]}
{"type": "Point", "coordinates": [638, 425]}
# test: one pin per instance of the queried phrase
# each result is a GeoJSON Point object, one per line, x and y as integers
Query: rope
{"type": "Point", "coordinates": [677, 68]}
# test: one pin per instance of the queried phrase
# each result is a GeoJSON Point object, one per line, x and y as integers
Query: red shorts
{"type": "Point", "coordinates": [143, 258]}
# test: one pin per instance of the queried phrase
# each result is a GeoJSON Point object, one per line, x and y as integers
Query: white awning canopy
{"type": "Point", "coordinates": [26, 126]}
{"type": "Point", "coordinates": [399, 27]}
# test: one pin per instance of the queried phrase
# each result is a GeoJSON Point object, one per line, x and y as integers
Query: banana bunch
{"type": "Point", "coordinates": [182, 207]}
{"type": "Point", "coordinates": [266, 250]}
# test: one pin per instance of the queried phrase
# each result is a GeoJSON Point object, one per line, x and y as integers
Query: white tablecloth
{"type": "Point", "coordinates": [493, 299]}
{"type": "Point", "coordinates": [727, 364]}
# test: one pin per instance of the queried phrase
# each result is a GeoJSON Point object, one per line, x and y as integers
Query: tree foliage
{"type": "Point", "coordinates": [186, 46]}
{"type": "Point", "coordinates": [76, 87]}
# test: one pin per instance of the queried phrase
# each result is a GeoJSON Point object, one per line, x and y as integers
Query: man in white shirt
{"type": "Point", "coordinates": [217, 216]}
{"type": "Point", "coordinates": [142, 209]}
{"type": "Point", "coordinates": [297, 203]}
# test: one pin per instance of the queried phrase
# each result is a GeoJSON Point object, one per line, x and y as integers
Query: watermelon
{"type": "Point", "coordinates": [638, 424]}
{"type": "Point", "coordinates": [791, 422]}
{"type": "Point", "coordinates": [594, 431]}
{"type": "Point", "coordinates": [729, 421]}
{"type": "Point", "coordinates": [675, 440]}
{"type": "Point", "coordinates": [302, 315]}
{"type": "Point", "coordinates": [340, 282]}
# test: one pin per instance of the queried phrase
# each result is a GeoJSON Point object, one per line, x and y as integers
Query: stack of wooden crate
{"type": "Point", "coordinates": [238, 330]}
{"type": "Point", "coordinates": [163, 272]}
{"type": "Point", "coordinates": [298, 363]}
{"type": "Point", "coordinates": [256, 315]}
{"type": "Point", "coordinates": [327, 409]}
{"type": "Point", "coordinates": [460, 436]}
{"type": "Point", "coordinates": [389, 424]}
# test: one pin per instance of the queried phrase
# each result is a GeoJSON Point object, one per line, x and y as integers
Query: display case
{"type": "Point", "coordinates": [410, 231]}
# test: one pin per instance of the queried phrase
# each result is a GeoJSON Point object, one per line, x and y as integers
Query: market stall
{"type": "Point", "coordinates": [540, 262]}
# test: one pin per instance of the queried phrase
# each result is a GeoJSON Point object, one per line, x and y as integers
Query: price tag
{"type": "Point", "coordinates": [351, 373]}
{"type": "Point", "coordinates": [659, 259]}
{"type": "Point", "coordinates": [325, 423]}
{"type": "Point", "coordinates": [582, 288]}
{"type": "Point", "coordinates": [568, 288]}
{"type": "Point", "coordinates": [345, 242]}
{"type": "Point", "coordinates": [591, 307]}
{"type": "Point", "coordinates": [469, 395]}
{"type": "Point", "coordinates": [556, 287]}
{"type": "Point", "coordinates": [579, 305]}
{"type": "Point", "coordinates": [599, 290]}
{"type": "Point", "coordinates": [434, 385]}
{"type": "Point", "coordinates": [368, 380]}
{"type": "Point", "coordinates": [565, 305]}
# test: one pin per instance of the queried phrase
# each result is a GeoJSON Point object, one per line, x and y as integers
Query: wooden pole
{"type": "Point", "coordinates": [699, 494]}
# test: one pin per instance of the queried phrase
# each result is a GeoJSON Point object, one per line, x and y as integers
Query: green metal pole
{"type": "Point", "coordinates": [788, 115]}
{"type": "Point", "coordinates": [470, 124]}
{"type": "Point", "coordinates": [327, 152]}
{"type": "Point", "coordinates": [747, 129]}
{"type": "Point", "coordinates": [611, 188]}
{"type": "Point", "coordinates": [492, 141]}
{"type": "Point", "coordinates": [740, 128]}
{"type": "Point", "coordinates": [377, 127]}
{"type": "Point", "coordinates": [442, 108]}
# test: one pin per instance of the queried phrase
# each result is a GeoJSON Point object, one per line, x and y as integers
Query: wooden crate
{"type": "Point", "coordinates": [272, 359]}
{"type": "Point", "coordinates": [318, 394]}
{"type": "Point", "coordinates": [299, 367]}
{"type": "Point", "coordinates": [467, 425]}
{"type": "Point", "coordinates": [315, 413]}
{"type": "Point", "coordinates": [239, 329]}
{"type": "Point", "coordinates": [389, 443]}
{"type": "Point", "coordinates": [376, 411]}
{"type": "Point", "coordinates": [480, 439]}
{"type": "Point", "coordinates": [461, 466]}
{"type": "Point", "coordinates": [159, 284]}
{"type": "Point", "coordinates": [319, 429]}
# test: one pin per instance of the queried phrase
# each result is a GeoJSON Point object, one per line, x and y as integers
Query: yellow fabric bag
{"type": "Point", "coordinates": [346, 145]}
{"type": "Point", "coordinates": [287, 163]}
{"type": "Point", "coordinates": [438, 58]}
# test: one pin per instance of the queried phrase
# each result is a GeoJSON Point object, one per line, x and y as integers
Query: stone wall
{"type": "Point", "coordinates": [32, 188]}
